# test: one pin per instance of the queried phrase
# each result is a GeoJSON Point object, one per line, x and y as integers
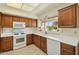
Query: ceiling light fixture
{"type": "Point", "coordinates": [23, 6]}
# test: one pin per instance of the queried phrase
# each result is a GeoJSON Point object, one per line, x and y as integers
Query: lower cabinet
{"type": "Point", "coordinates": [6, 44]}
{"type": "Point", "coordinates": [36, 40]}
{"type": "Point", "coordinates": [53, 47]}
{"type": "Point", "coordinates": [40, 42]}
{"type": "Point", "coordinates": [50, 46]}
{"type": "Point", "coordinates": [43, 44]}
{"type": "Point", "coordinates": [29, 39]}
{"type": "Point", "coordinates": [0, 44]}
{"type": "Point", "coordinates": [67, 49]}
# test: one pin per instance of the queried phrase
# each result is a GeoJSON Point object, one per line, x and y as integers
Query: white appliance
{"type": "Point", "coordinates": [53, 47]}
{"type": "Point", "coordinates": [19, 36]}
{"type": "Point", "coordinates": [19, 41]}
{"type": "Point", "coordinates": [19, 24]}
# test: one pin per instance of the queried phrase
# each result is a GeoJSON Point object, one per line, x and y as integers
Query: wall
{"type": "Point", "coordinates": [6, 30]}
{"type": "Point", "coordinates": [70, 31]}
{"type": "Point", "coordinates": [29, 30]}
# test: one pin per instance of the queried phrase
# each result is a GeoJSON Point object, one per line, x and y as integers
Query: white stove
{"type": "Point", "coordinates": [19, 37]}
{"type": "Point", "coordinates": [19, 41]}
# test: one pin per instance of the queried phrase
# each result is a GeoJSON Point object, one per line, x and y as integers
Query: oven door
{"type": "Point", "coordinates": [19, 40]}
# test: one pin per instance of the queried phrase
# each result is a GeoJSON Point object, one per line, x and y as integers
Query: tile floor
{"type": "Point", "coordinates": [29, 50]}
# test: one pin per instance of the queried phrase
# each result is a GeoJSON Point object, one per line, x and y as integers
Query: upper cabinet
{"type": "Point", "coordinates": [7, 21]}
{"type": "Point", "coordinates": [34, 23]}
{"type": "Point", "coordinates": [29, 21]}
{"type": "Point", "coordinates": [17, 19]}
{"type": "Point", "coordinates": [22, 19]}
{"type": "Point", "coordinates": [0, 20]}
{"type": "Point", "coordinates": [67, 17]}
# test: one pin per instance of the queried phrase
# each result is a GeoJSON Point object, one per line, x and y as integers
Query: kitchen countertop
{"type": "Point", "coordinates": [72, 40]}
{"type": "Point", "coordinates": [6, 34]}
{"type": "Point", "coordinates": [61, 38]}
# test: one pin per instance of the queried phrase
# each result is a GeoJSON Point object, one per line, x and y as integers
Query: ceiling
{"type": "Point", "coordinates": [23, 6]}
{"type": "Point", "coordinates": [35, 8]}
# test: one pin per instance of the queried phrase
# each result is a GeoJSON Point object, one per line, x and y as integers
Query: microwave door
{"type": "Point", "coordinates": [18, 25]}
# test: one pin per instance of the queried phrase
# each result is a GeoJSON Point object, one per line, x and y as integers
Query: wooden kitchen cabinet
{"type": "Point", "coordinates": [0, 44]}
{"type": "Point", "coordinates": [43, 44]}
{"type": "Point", "coordinates": [17, 19]}
{"type": "Point", "coordinates": [36, 40]}
{"type": "Point", "coordinates": [6, 44]}
{"type": "Point", "coordinates": [66, 49]}
{"type": "Point", "coordinates": [40, 42]}
{"type": "Point", "coordinates": [0, 20]}
{"type": "Point", "coordinates": [22, 19]}
{"type": "Point", "coordinates": [27, 22]}
{"type": "Point", "coordinates": [77, 49]}
{"type": "Point", "coordinates": [7, 21]}
{"type": "Point", "coordinates": [29, 39]}
{"type": "Point", "coordinates": [67, 17]}
{"type": "Point", "coordinates": [30, 22]}
{"type": "Point", "coordinates": [34, 23]}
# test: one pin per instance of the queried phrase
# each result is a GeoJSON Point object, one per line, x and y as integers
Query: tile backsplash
{"type": "Point", "coordinates": [64, 31]}
{"type": "Point", "coordinates": [6, 30]}
{"type": "Point", "coordinates": [10, 30]}
{"type": "Point", "coordinates": [70, 31]}
{"type": "Point", "coordinates": [29, 30]}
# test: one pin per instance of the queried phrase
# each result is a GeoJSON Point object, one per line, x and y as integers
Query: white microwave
{"type": "Point", "coordinates": [19, 24]}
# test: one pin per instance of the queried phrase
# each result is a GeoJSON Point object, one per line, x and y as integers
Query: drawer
{"type": "Point", "coordinates": [67, 52]}
{"type": "Point", "coordinates": [67, 47]}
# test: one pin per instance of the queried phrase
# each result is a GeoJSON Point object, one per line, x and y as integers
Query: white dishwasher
{"type": "Point", "coordinates": [53, 47]}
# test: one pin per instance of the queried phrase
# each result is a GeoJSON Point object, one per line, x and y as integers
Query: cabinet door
{"type": "Point", "coordinates": [34, 23]}
{"type": "Point", "coordinates": [0, 20]}
{"type": "Point", "coordinates": [6, 44]}
{"type": "Point", "coordinates": [27, 24]}
{"type": "Point", "coordinates": [43, 44]}
{"type": "Point", "coordinates": [17, 19]}
{"type": "Point", "coordinates": [22, 19]}
{"type": "Point", "coordinates": [30, 22]}
{"type": "Point", "coordinates": [36, 40]}
{"type": "Point", "coordinates": [29, 39]}
{"type": "Point", "coordinates": [67, 49]}
{"type": "Point", "coordinates": [67, 17]}
{"type": "Point", "coordinates": [7, 21]}
{"type": "Point", "coordinates": [26, 21]}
